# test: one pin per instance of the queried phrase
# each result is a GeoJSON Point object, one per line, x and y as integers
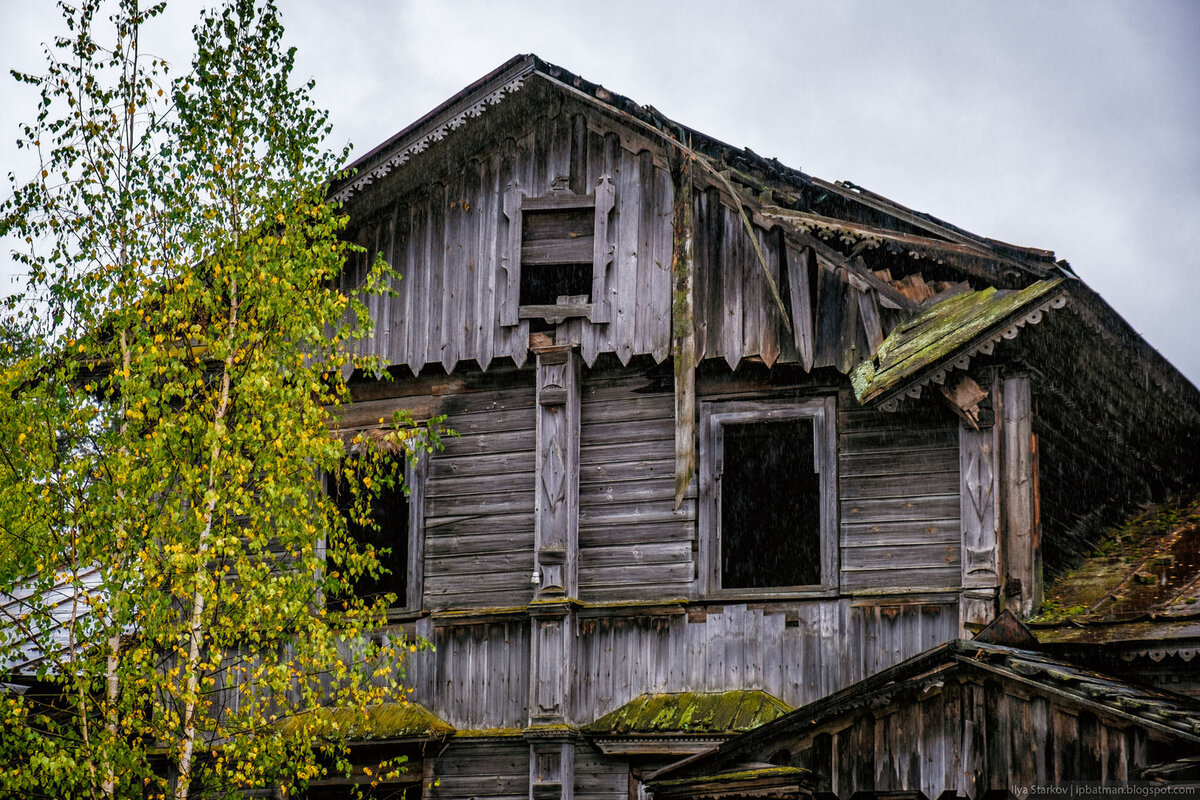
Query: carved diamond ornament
{"type": "Point", "coordinates": [554, 476]}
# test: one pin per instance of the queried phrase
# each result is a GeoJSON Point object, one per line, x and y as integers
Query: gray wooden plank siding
{"type": "Point", "coordinates": [477, 677]}
{"type": "Point", "coordinates": [487, 768]}
{"type": "Point", "coordinates": [797, 651]}
{"type": "Point", "coordinates": [633, 544]}
{"type": "Point", "coordinates": [599, 777]}
{"type": "Point", "coordinates": [479, 502]}
{"type": "Point", "coordinates": [899, 499]}
{"type": "Point", "coordinates": [450, 240]}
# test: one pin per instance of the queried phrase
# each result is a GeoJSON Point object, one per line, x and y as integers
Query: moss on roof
{"type": "Point", "coordinates": [938, 333]}
{"type": "Point", "coordinates": [1146, 567]}
{"type": "Point", "coordinates": [386, 721]}
{"type": "Point", "coordinates": [691, 712]}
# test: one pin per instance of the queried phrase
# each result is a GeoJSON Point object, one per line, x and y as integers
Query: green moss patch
{"type": "Point", "coordinates": [1147, 565]}
{"type": "Point", "coordinates": [937, 334]}
{"type": "Point", "coordinates": [386, 721]}
{"type": "Point", "coordinates": [691, 712]}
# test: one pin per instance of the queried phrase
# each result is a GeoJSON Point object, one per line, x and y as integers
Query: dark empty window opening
{"type": "Point", "coordinates": [390, 540]}
{"type": "Point", "coordinates": [543, 284]}
{"type": "Point", "coordinates": [770, 505]}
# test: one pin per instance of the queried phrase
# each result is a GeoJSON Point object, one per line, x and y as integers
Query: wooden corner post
{"type": "Point", "coordinates": [1021, 527]}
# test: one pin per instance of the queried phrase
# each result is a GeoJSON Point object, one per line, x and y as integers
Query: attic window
{"type": "Point", "coordinates": [767, 496]}
{"type": "Point", "coordinates": [554, 268]}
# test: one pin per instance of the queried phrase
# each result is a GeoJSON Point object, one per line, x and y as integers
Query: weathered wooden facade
{"type": "Point", "coordinates": [725, 427]}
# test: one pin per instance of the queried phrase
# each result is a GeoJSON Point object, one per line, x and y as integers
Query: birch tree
{"type": "Point", "coordinates": [168, 375]}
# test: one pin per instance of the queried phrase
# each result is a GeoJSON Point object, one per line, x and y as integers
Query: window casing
{"type": "Point", "coordinates": [768, 497]}
{"type": "Point", "coordinates": [402, 531]}
{"type": "Point", "coordinates": [556, 254]}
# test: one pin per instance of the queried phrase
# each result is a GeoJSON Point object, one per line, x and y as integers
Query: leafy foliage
{"type": "Point", "coordinates": [168, 376]}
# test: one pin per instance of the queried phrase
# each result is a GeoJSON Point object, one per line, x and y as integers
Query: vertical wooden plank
{"type": "Point", "coordinates": [772, 326]}
{"type": "Point", "coordinates": [453, 268]}
{"type": "Point", "coordinates": [868, 314]}
{"type": "Point", "coordinates": [661, 297]}
{"type": "Point", "coordinates": [485, 273]}
{"type": "Point", "coordinates": [578, 172]}
{"type": "Point", "coordinates": [831, 309]}
{"type": "Point", "coordinates": [733, 266]}
{"type": "Point", "coordinates": [644, 253]}
{"type": "Point", "coordinates": [980, 490]}
{"type": "Point", "coordinates": [628, 198]}
{"type": "Point", "coordinates": [1021, 534]}
{"type": "Point", "coordinates": [754, 298]}
{"type": "Point", "coordinates": [603, 251]}
{"type": "Point", "coordinates": [800, 267]}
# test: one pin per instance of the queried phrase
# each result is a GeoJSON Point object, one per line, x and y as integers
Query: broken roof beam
{"type": "Point", "coordinates": [860, 276]}
{"type": "Point", "coordinates": [885, 206]}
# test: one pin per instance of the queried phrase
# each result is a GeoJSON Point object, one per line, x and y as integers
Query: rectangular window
{"type": "Point", "coordinates": [555, 256]}
{"type": "Point", "coordinates": [396, 538]}
{"type": "Point", "coordinates": [767, 506]}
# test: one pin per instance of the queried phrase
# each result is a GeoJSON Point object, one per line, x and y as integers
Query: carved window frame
{"type": "Point", "coordinates": [714, 416]}
{"type": "Point", "coordinates": [415, 478]}
{"type": "Point", "coordinates": [516, 204]}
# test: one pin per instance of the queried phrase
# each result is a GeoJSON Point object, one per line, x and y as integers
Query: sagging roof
{"type": "Point", "coordinates": [690, 713]}
{"type": "Point", "coordinates": [956, 328]}
{"type": "Point", "coordinates": [1142, 584]}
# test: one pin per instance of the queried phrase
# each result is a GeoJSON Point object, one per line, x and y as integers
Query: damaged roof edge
{"type": "Point", "coordinates": [492, 88]}
{"type": "Point", "coordinates": [947, 335]}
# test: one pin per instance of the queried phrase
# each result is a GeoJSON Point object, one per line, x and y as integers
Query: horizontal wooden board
{"type": "Point", "coordinates": [634, 513]}
{"type": "Point", "coordinates": [472, 465]}
{"type": "Point", "coordinates": [899, 486]}
{"type": "Point", "coordinates": [900, 557]}
{"type": "Point", "coordinates": [892, 439]}
{"type": "Point", "coordinates": [650, 449]}
{"type": "Point", "coordinates": [634, 555]}
{"type": "Point", "coordinates": [497, 541]}
{"type": "Point", "coordinates": [440, 488]}
{"type": "Point", "coordinates": [631, 431]}
{"type": "Point", "coordinates": [632, 469]}
{"type": "Point", "coordinates": [908, 461]}
{"type": "Point", "coordinates": [633, 534]}
{"type": "Point", "coordinates": [628, 492]}
{"type": "Point", "coordinates": [937, 507]}
{"type": "Point", "coordinates": [514, 441]}
{"type": "Point", "coordinates": [469, 505]}
{"type": "Point", "coordinates": [896, 533]}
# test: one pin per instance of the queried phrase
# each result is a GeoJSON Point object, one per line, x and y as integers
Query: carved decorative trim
{"type": "Point", "coordinates": [985, 346]}
{"type": "Point", "coordinates": [402, 155]}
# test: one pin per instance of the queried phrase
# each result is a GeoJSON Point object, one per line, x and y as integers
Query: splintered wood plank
{"type": "Point", "coordinates": [453, 249]}
{"type": "Point", "coordinates": [659, 303]}
{"type": "Point", "coordinates": [772, 324]}
{"type": "Point", "coordinates": [831, 307]}
{"type": "Point", "coordinates": [647, 227]}
{"type": "Point", "coordinates": [625, 266]}
{"type": "Point", "coordinates": [733, 265]}
{"type": "Point", "coordinates": [578, 159]}
{"type": "Point", "coordinates": [868, 314]}
{"type": "Point", "coordinates": [800, 269]}
{"type": "Point", "coordinates": [485, 273]}
{"type": "Point", "coordinates": [754, 297]}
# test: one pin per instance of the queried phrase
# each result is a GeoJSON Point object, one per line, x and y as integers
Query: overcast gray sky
{"type": "Point", "coordinates": [1072, 126]}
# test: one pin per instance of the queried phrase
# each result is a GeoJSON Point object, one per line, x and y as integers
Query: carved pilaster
{"type": "Point", "coordinates": [556, 510]}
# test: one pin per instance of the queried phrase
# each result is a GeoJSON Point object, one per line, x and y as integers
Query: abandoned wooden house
{"type": "Point", "coordinates": [733, 440]}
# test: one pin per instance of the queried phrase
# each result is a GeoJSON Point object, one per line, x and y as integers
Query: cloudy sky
{"type": "Point", "coordinates": [1071, 126]}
